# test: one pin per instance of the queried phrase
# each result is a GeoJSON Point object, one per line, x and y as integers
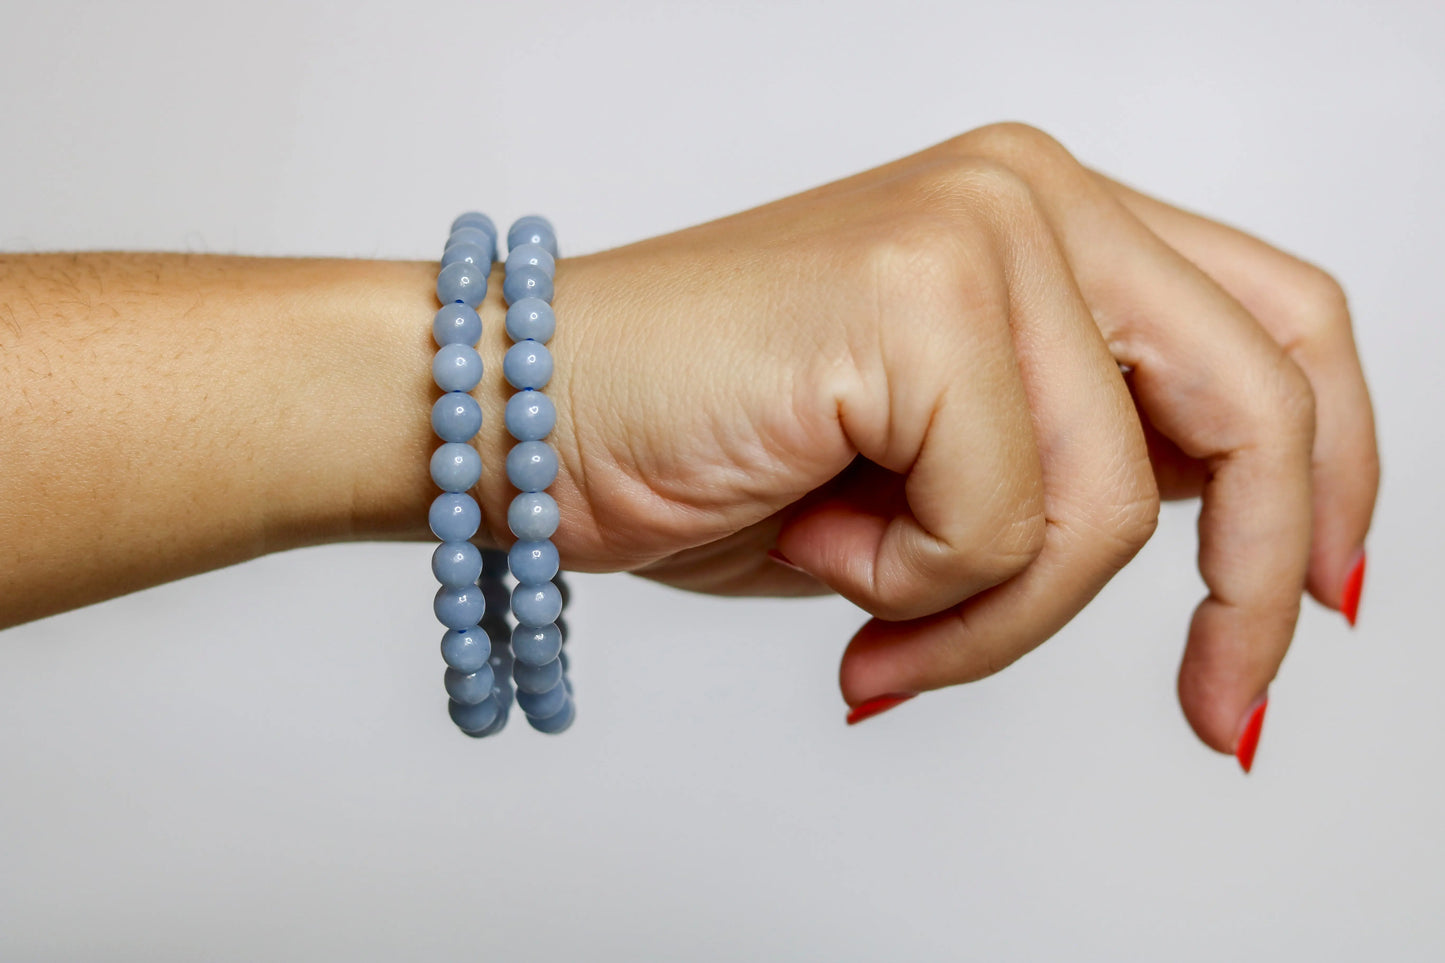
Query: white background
{"type": "Point", "coordinates": [256, 764]}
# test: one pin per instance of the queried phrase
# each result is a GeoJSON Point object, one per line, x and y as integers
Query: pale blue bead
{"type": "Point", "coordinates": [530, 415]}
{"type": "Point", "coordinates": [532, 467]}
{"type": "Point", "coordinates": [469, 688]}
{"type": "Point", "coordinates": [543, 704]}
{"type": "Point", "coordinates": [531, 318]}
{"type": "Point", "coordinates": [536, 678]}
{"type": "Point", "coordinates": [557, 723]}
{"type": "Point", "coordinates": [459, 608]}
{"type": "Point", "coordinates": [536, 605]}
{"type": "Point", "coordinates": [456, 563]}
{"type": "Point", "coordinates": [471, 252]}
{"type": "Point", "coordinates": [462, 282]}
{"type": "Point", "coordinates": [536, 644]}
{"type": "Point", "coordinates": [534, 255]}
{"type": "Point", "coordinates": [533, 561]}
{"type": "Point", "coordinates": [527, 364]}
{"type": "Point", "coordinates": [478, 237]}
{"type": "Point", "coordinates": [466, 649]}
{"type": "Point", "coordinates": [457, 367]}
{"type": "Point", "coordinates": [532, 516]}
{"type": "Point", "coordinates": [456, 467]}
{"type": "Point", "coordinates": [494, 727]}
{"type": "Point", "coordinates": [456, 324]}
{"type": "Point", "coordinates": [473, 718]}
{"type": "Point", "coordinates": [454, 516]}
{"type": "Point", "coordinates": [475, 219]}
{"type": "Point", "coordinates": [532, 229]}
{"type": "Point", "coordinates": [456, 416]}
{"type": "Point", "coordinates": [526, 282]}
{"type": "Point", "coordinates": [566, 680]}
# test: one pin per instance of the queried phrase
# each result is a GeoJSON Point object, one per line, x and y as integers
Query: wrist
{"type": "Point", "coordinates": [392, 394]}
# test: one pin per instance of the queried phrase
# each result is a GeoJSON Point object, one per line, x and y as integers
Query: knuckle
{"type": "Point", "coordinates": [968, 185]}
{"type": "Point", "coordinates": [1288, 401]}
{"type": "Point", "coordinates": [1137, 520]}
{"type": "Point", "coordinates": [1013, 140]}
{"type": "Point", "coordinates": [1295, 396]}
{"type": "Point", "coordinates": [1010, 547]}
{"type": "Point", "coordinates": [924, 254]}
{"type": "Point", "coordinates": [1317, 300]}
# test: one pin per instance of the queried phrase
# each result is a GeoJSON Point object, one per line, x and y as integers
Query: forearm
{"type": "Point", "coordinates": [169, 414]}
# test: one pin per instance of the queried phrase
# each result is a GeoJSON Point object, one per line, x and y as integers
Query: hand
{"type": "Point", "coordinates": [908, 383]}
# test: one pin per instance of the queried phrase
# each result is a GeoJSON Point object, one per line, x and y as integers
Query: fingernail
{"type": "Point", "coordinates": [1350, 597]}
{"type": "Point", "coordinates": [1249, 738]}
{"type": "Point", "coordinates": [871, 708]}
{"type": "Point", "coordinates": [782, 559]}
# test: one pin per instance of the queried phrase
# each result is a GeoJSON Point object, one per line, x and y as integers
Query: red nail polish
{"type": "Point", "coordinates": [782, 559]}
{"type": "Point", "coordinates": [1249, 738]}
{"type": "Point", "coordinates": [871, 708]}
{"type": "Point", "coordinates": [1350, 597]}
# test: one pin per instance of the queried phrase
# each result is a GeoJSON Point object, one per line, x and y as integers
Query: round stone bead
{"type": "Point", "coordinates": [531, 467]}
{"type": "Point", "coordinates": [532, 516]}
{"type": "Point", "coordinates": [536, 605]}
{"type": "Point", "coordinates": [526, 281]}
{"type": "Point", "coordinates": [456, 467]}
{"type": "Point", "coordinates": [543, 704]}
{"type": "Point", "coordinates": [527, 364]}
{"type": "Point", "coordinates": [469, 688]}
{"type": "Point", "coordinates": [532, 229]}
{"type": "Point", "coordinates": [566, 681]}
{"type": "Point", "coordinates": [456, 367]}
{"type": "Point", "coordinates": [494, 727]}
{"type": "Point", "coordinates": [456, 416]}
{"type": "Point", "coordinates": [475, 219]}
{"type": "Point", "coordinates": [466, 650]}
{"type": "Point", "coordinates": [456, 324]}
{"type": "Point", "coordinates": [459, 608]}
{"type": "Point", "coordinates": [531, 416]}
{"type": "Point", "coordinates": [558, 723]}
{"type": "Point", "coordinates": [471, 252]}
{"type": "Point", "coordinates": [533, 561]}
{"type": "Point", "coordinates": [473, 718]}
{"type": "Point", "coordinates": [472, 234]}
{"type": "Point", "coordinates": [531, 318]}
{"type": "Point", "coordinates": [457, 564]}
{"type": "Point", "coordinates": [460, 281]}
{"type": "Point", "coordinates": [536, 644]}
{"type": "Point", "coordinates": [536, 678]}
{"type": "Point", "coordinates": [454, 516]}
{"type": "Point", "coordinates": [534, 255]}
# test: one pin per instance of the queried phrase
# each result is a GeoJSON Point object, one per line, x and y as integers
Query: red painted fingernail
{"type": "Point", "coordinates": [782, 559]}
{"type": "Point", "coordinates": [871, 708]}
{"type": "Point", "coordinates": [1249, 738]}
{"type": "Point", "coordinates": [1350, 597]}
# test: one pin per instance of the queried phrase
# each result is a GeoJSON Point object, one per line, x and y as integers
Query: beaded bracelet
{"type": "Point", "coordinates": [473, 599]}
{"type": "Point", "coordinates": [475, 678]}
{"type": "Point", "coordinates": [539, 668]}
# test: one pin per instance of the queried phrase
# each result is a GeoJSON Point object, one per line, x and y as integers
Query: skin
{"type": "Point", "coordinates": [952, 389]}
